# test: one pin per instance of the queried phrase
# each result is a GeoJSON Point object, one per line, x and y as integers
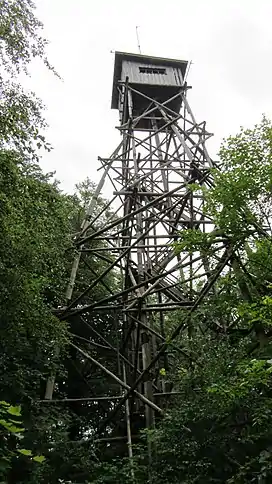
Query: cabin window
{"type": "Point", "coordinates": [152, 70]}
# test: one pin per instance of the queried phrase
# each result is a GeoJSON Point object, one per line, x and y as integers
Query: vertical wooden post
{"type": "Point", "coordinates": [129, 440]}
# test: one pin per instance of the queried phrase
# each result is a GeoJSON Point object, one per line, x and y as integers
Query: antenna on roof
{"type": "Point", "coordinates": [138, 39]}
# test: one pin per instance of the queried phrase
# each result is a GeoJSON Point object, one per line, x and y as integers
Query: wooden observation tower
{"type": "Point", "coordinates": [154, 172]}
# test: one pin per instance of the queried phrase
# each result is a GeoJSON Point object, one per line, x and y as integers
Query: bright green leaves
{"type": "Point", "coordinates": [195, 240]}
{"type": "Point", "coordinates": [260, 260]}
{"type": "Point", "coordinates": [39, 458]}
{"type": "Point", "coordinates": [8, 423]}
{"type": "Point", "coordinates": [25, 452]}
{"type": "Point", "coordinates": [28, 453]}
{"type": "Point", "coordinates": [11, 427]}
{"type": "Point", "coordinates": [248, 377]}
{"type": "Point", "coordinates": [260, 311]}
{"type": "Point", "coordinates": [244, 181]}
{"type": "Point", "coordinates": [15, 410]}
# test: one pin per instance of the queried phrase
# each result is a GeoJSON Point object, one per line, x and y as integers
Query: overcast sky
{"type": "Point", "coordinates": [228, 41]}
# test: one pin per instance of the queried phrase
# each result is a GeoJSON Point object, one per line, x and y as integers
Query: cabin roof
{"type": "Point", "coordinates": [146, 59]}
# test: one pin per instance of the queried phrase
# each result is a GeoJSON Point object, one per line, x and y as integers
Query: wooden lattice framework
{"type": "Point", "coordinates": [154, 171]}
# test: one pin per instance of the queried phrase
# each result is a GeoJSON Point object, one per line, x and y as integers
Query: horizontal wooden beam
{"type": "Point", "coordinates": [109, 398]}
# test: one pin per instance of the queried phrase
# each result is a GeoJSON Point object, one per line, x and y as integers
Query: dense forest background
{"type": "Point", "coordinates": [217, 429]}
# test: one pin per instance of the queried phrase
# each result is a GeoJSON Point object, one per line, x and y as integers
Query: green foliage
{"type": "Point", "coordinates": [37, 223]}
{"type": "Point", "coordinates": [248, 375]}
{"type": "Point", "coordinates": [21, 121]}
{"type": "Point", "coordinates": [21, 113]}
{"type": "Point", "coordinates": [9, 424]}
{"type": "Point", "coordinates": [25, 452]}
{"type": "Point", "coordinates": [194, 240]}
{"type": "Point", "coordinates": [218, 426]}
{"type": "Point", "coordinates": [39, 458]}
{"type": "Point", "coordinates": [12, 435]}
{"type": "Point", "coordinates": [220, 421]}
{"type": "Point", "coordinates": [21, 37]}
{"type": "Point", "coordinates": [218, 429]}
{"type": "Point", "coordinates": [242, 192]}
{"type": "Point", "coordinates": [34, 223]}
{"type": "Point", "coordinates": [257, 311]}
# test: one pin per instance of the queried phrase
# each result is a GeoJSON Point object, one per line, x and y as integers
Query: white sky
{"type": "Point", "coordinates": [229, 42]}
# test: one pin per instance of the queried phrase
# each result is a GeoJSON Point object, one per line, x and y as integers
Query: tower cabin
{"type": "Point", "coordinates": [148, 79]}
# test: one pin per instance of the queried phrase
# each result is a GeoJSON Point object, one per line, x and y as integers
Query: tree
{"type": "Point", "coordinates": [218, 429]}
{"type": "Point", "coordinates": [21, 119]}
{"type": "Point", "coordinates": [37, 221]}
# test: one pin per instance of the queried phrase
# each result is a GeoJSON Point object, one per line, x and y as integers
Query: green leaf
{"type": "Point", "coordinates": [17, 422]}
{"type": "Point", "coordinates": [39, 458]}
{"type": "Point", "coordinates": [11, 428]}
{"type": "Point", "coordinates": [15, 410]}
{"type": "Point", "coordinates": [25, 451]}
